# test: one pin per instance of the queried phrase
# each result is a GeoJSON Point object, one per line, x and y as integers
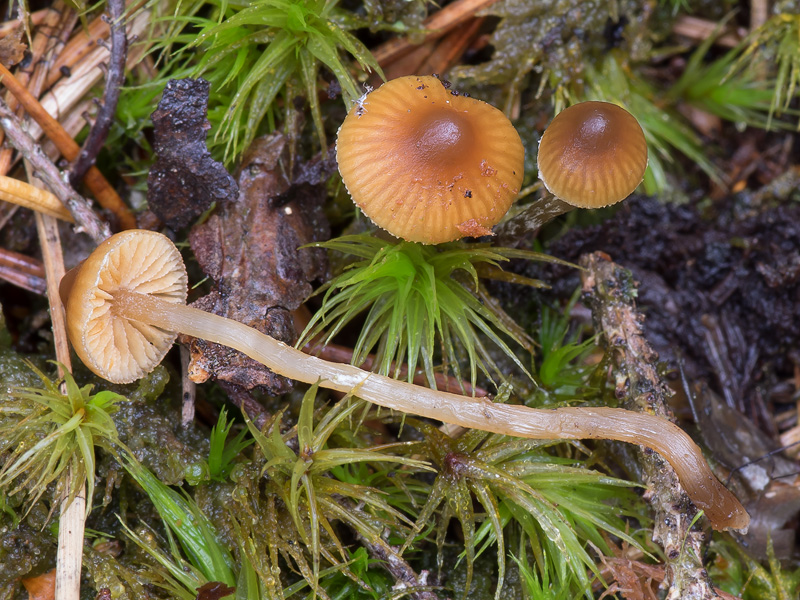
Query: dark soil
{"type": "Point", "coordinates": [721, 290]}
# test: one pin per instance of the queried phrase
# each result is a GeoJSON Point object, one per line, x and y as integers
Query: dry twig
{"type": "Point", "coordinates": [82, 43]}
{"type": "Point", "coordinates": [84, 216]}
{"type": "Point", "coordinates": [69, 559]}
{"type": "Point", "coordinates": [115, 76]}
{"type": "Point", "coordinates": [701, 29]}
{"type": "Point", "coordinates": [22, 271]}
{"type": "Point", "coordinates": [36, 19]}
{"type": "Point", "coordinates": [105, 194]}
{"type": "Point", "coordinates": [435, 55]}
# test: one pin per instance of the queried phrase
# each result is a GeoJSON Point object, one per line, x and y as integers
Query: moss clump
{"type": "Point", "coordinates": [555, 39]}
{"type": "Point", "coordinates": [27, 546]}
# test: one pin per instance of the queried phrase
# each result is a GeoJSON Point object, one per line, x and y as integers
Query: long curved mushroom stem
{"type": "Point", "coordinates": [721, 507]}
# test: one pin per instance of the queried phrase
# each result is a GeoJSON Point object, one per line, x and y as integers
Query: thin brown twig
{"type": "Point", "coordinates": [22, 263]}
{"type": "Point", "coordinates": [701, 29]}
{"type": "Point", "coordinates": [84, 216]}
{"type": "Point", "coordinates": [22, 271]}
{"type": "Point", "coordinates": [47, 29]}
{"type": "Point", "coordinates": [84, 42]}
{"type": "Point", "coordinates": [68, 92]}
{"type": "Point", "coordinates": [22, 280]}
{"type": "Point", "coordinates": [435, 55]}
{"type": "Point", "coordinates": [450, 48]}
{"type": "Point", "coordinates": [115, 75]}
{"type": "Point", "coordinates": [50, 38]}
{"type": "Point", "coordinates": [106, 196]}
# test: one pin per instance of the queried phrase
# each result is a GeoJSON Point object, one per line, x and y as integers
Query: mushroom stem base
{"type": "Point", "coordinates": [720, 505]}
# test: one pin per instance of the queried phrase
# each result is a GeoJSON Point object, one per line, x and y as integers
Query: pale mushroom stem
{"type": "Point", "coordinates": [720, 506]}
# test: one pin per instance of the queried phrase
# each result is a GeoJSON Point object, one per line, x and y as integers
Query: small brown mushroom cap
{"type": "Point", "coordinates": [592, 155]}
{"type": "Point", "coordinates": [114, 347]}
{"type": "Point", "coordinates": [429, 165]}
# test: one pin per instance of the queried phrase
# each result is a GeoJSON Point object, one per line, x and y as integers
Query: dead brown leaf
{"type": "Point", "coordinates": [251, 250]}
{"type": "Point", "coordinates": [41, 587]}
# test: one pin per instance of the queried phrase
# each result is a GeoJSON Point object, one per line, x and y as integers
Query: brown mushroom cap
{"type": "Point", "coordinates": [429, 165]}
{"type": "Point", "coordinates": [592, 155]}
{"type": "Point", "coordinates": [112, 346]}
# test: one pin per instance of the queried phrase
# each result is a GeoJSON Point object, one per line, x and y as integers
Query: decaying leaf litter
{"type": "Point", "coordinates": [717, 279]}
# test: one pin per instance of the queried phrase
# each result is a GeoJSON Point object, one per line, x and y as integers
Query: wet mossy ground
{"type": "Point", "coordinates": [717, 278]}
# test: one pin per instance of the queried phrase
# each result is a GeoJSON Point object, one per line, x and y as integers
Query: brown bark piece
{"type": "Point", "coordinates": [610, 291]}
{"type": "Point", "coordinates": [185, 180]}
{"type": "Point", "coordinates": [250, 249]}
{"type": "Point", "coordinates": [12, 50]}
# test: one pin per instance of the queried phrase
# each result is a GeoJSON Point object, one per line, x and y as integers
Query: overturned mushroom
{"type": "Point", "coordinates": [427, 164]}
{"type": "Point", "coordinates": [131, 290]}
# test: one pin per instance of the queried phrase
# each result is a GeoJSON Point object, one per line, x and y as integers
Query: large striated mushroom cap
{"type": "Point", "coordinates": [114, 347]}
{"type": "Point", "coordinates": [429, 165]}
{"type": "Point", "coordinates": [592, 155]}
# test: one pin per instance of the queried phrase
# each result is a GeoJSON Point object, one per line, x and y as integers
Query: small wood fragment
{"type": "Point", "coordinates": [84, 41]}
{"type": "Point", "coordinates": [436, 55]}
{"type": "Point", "coordinates": [69, 558]}
{"type": "Point", "coordinates": [22, 271]}
{"type": "Point", "coordinates": [36, 18]}
{"type": "Point", "coordinates": [610, 291]}
{"type": "Point", "coordinates": [47, 41]}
